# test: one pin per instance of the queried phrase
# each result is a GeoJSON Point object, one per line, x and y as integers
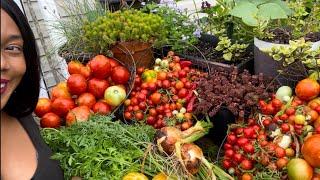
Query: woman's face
{"type": "Point", "coordinates": [13, 64]}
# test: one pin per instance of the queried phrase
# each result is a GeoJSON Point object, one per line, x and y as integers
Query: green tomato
{"type": "Point", "coordinates": [114, 95]}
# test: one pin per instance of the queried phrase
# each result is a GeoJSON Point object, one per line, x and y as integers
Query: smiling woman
{"type": "Point", "coordinates": [24, 155]}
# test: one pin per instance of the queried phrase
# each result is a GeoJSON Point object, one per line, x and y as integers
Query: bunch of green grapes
{"type": "Point", "coordinates": [126, 25]}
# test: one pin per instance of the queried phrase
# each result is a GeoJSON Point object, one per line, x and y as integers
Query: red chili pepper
{"type": "Point", "coordinates": [190, 104]}
{"type": "Point", "coordinates": [185, 64]}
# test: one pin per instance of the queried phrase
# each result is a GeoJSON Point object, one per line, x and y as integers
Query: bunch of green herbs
{"type": "Point", "coordinates": [99, 148]}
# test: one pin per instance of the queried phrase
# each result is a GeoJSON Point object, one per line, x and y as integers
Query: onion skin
{"type": "Point", "coordinates": [192, 157]}
{"type": "Point", "coordinates": [299, 169]}
{"type": "Point", "coordinates": [171, 136]}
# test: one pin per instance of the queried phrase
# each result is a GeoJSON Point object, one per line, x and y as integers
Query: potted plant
{"type": "Point", "coordinates": [299, 23]}
{"type": "Point", "coordinates": [128, 34]}
{"type": "Point", "coordinates": [231, 45]}
{"type": "Point", "coordinates": [183, 32]}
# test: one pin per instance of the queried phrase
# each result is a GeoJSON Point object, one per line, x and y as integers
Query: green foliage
{"type": "Point", "coordinates": [253, 11]}
{"type": "Point", "coordinates": [231, 52]}
{"type": "Point", "coordinates": [177, 23]}
{"type": "Point", "coordinates": [298, 50]}
{"type": "Point", "coordinates": [127, 25]}
{"type": "Point", "coordinates": [99, 148]}
{"type": "Point", "coordinates": [78, 13]}
{"type": "Point", "coordinates": [305, 18]}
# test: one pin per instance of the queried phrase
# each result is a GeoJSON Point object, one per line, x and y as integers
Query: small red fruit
{"type": "Point", "coordinates": [43, 107]}
{"type": "Point", "coordinates": [50, 120]}
{"type": "Point", "coordinates": [101, 108]}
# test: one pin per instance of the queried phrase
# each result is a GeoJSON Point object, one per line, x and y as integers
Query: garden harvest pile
{"type": "Point", "coordinates": [99, 87]}
{"type": "Point", "coordinates": [165, 94]}
{"type": "Point", "coordinates": [283, 138]}
{"type": "Point", "coordinates": [202, 99]}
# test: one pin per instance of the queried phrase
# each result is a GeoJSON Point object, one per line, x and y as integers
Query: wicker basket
{"type": "Point", "coordinates": [141, 52]}
{"type": "Point", "coordinates": [128, 63]}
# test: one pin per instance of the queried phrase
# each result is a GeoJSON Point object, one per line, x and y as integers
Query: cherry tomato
{"type": "Point", "coordinates": [266, 122]}
{"type": "Point", "coordinates": [285, 127]}
{"type": "Point", "coordinates": [290, 111]}
{"type": "Point", "coordinates": [179, 85]}
{"type": "Point", "coordinates": [284, 117]}
{"type": "Point", "coordinates": [151, 120]}
{"type": "Point", "coordinates": [159, 109]}
{"type": "Point", "coordinates": [144, 85]}
{"type": "Point", "coordinates": [239, 131]}
{"type": "Point", "coordinates": [159, 84]}
{"type": "Point", "coordinates": [262, 103]}
{"type": "Point", "coordinates": [155, 98]}
{"type": "Point", "coordinates": [231, 139]}
{"type": "Point", "coordinates": [182, 74]}
{"type": "Point", "coordinates": [140, 70]}
{"type": "Point", "coordinates": [226, 164]}
{"type": "Point", "coordinates": [276, 103]}
{"type": "Point", "coordinates": [141, 97]}
{"type": "Point", "coordinates": [270, 109]}
{"type": "Point", "coordinates": [280, 152]}
{"type": "Point", "coordinates": [166, 84]}
{"type": "Point", "coordinates": [142, 106]}
{"type": "Point", "coordinates": [162, 75]}
{"type": "Point", "coordinates": [281, 163]}
{"type": "Point", "coordinates": [182, 93]}
{"type": "Point", "coordinates": [290, 152]}
{"type": "Point", "coordinates": [152, 86]}
{"type": "Point", "coordinates": [246, 164]}
{"type": "Point", "coordinates": [248, 132]}
{"type": "Point", "coordinates": [138, 115]}
{"type": "Point", "coordinates": [238, 157]}
{"type": "Point", "coordinates": [229, 153]}
{"type": "Point", "coordinates": [313, 105]}
{"type": "Point", "coordinates": [242, 141]}
{"type": "Point", "coordinates": [246, 176]}
{"type": "Point", "coordinates": [136, 108]}
{"type": "Point", "coordinates": [173, 106]}
{"type": "Point", "coordinates": [248, 148]}
{"type": "Point", "coordinates": [152, 112]}
{"type": "Point", "coordinates": [188, 85]}
{"type": "Point", "coordinates": [251, 121]}
{"type": "Point", "coordinates": [227, 146]}
{"type": "Point", "coordinates": [127, 115]}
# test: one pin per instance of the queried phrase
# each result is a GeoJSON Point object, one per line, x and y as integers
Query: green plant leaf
{"type": "Point", "coordinates": [258, 2]}
{"type": "Point", "coordinates": [227, 56]}
{"type": "Point", "coordinates": [271, 11]}
{"type": "Point", "coordinates": [284, 6]}
{"type": "Point", "coordinates": [244, 9]}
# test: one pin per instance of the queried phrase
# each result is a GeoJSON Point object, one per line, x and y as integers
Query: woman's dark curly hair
{"type": "Point", "coordinates": [25, 97]}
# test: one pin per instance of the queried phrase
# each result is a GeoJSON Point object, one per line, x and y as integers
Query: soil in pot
{"type": "Point", "coordinates": [284, 35]}
{"type": "Point", "coordinates": [207, 50]}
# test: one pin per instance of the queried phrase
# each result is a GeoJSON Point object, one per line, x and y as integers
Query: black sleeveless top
{"type": "Point", "coordinates": [47, 168]}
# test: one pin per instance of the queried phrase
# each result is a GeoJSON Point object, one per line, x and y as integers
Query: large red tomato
{"type": "Point", "coordinates": [78, 114]}
{"type": "Point", "coordinates": [86, 99]}
{"type": "Point", "coordinates": [101, 108]}
{"type": "Point", "coordinates": [43, 107]}
{"type": "Point", "coordinates": [97, 87]}
{"type": "Point", "coordinates": [307, 89]}
{"type": "Point", "coordinates": [60, 90]}
{"type": "Point", "coordinates": [120, 75]}
{"type": "Point", "coordinates": [61, 106]}
{"type": "Point", "coordinates": [311, 150]}
{"type": "Point", "coordinates": [113, 63]}
{"type": "Point", "coordinates": [85, 71]}
{"type": "Point", "coordinates": [100, 67]}
{"type": "Point", "coordinates": [50, 120]}
{"type": "Point", "coordinates": [77, 84]}
{"type": "Point", "coordinates": [74, 67]}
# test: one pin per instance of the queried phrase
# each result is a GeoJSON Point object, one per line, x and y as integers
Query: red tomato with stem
{"type": "Point", "coordinates": [50, 120]}
{"type": "Point", "coordinates": [78, 114]}
{"type": "Point", "coordinates": [77, 84]}
{"type": "Point", "coordinates": [101, 108]}
{"type": "Point", "coordinates": [61, 106]}
{"type": "Point", "coordinates": [182, 93]}
{"type": "Point", "coordinates": [43, 107]}
{"type": "Point", "coordinates": [100, 67]}
{"type": "Point", "coordinates": [86, 99]}
{"type": "Point", "coordinates": [120, 75]}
